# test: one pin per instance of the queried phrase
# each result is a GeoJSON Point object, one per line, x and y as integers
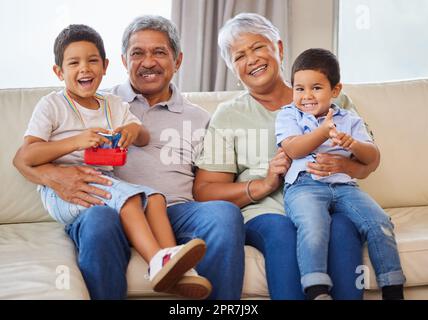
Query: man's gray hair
{"type": "Point", "coordinates": [156, 23]}
{"type": "Point", "coordinates": [244, 23]}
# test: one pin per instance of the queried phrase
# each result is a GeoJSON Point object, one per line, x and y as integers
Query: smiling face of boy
{"type": "Point", "coordinates": [82, 70]}
{"type": "Point", "coordinates": [312, 92]}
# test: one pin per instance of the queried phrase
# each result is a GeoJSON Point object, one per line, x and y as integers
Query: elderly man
{"type": "Point", "coordinates": [151, 54]}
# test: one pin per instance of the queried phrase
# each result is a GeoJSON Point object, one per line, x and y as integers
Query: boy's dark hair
{"type": "Point", "coordinates": [320, 60]}
{"type": "Point", "coordinates": [75, 33]}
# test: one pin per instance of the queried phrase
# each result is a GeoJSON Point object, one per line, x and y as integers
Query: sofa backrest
{"type": "Point", "coordinates": [19, 200]}
{"type": "Point", "coordinates": [397, 113]}
{"type": "Point", "coordinates": [401, 135]}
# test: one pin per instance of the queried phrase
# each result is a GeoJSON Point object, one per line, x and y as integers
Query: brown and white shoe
{"type": "Point", "coordinates": [168, 265]}
{"type": "Point", "coordinates": [192, 286]}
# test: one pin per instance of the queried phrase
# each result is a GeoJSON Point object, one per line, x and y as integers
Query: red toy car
{"type": "Point", "coordinates": [105, 157]}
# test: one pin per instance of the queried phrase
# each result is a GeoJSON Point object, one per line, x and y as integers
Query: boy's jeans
{"type": "Point", "coordinates": [309, 203]}
{"type": "Point", "coordinates": [104, 252]}
{"type": "Point", "coordinates": [275, 236]}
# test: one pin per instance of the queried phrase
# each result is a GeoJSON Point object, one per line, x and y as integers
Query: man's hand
{"type": "Point", "coordinates": [72, 185]}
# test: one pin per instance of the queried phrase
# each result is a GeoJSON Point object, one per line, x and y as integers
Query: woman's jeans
{"type": "Point", "coordinates": [103, 251]}
{"type": "Point", "coordinates": [275, 236]}
{"type": "Point", "coordinates": [311, 204]}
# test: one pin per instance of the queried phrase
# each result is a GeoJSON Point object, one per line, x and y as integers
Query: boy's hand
{"type": "Point", "coordinates": [90, 139]}
{"type": "Point", "coordinates": [129, 134]}
{"type": "Point", "coordinates": [328, 125]}
{"type": "Point", "coordinates": [342, 139]}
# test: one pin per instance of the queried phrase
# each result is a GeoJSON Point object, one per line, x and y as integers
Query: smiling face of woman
{"type": "Point", "coordinates": [256, 61]}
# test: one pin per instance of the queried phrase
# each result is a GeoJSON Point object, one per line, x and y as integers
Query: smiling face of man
{"type": "Point", "coordinates": [151, 64]}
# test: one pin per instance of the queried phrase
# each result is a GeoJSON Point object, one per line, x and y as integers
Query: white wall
{"type": "Point", "coordinates": [28, 30]}
{"type": "Point", "coordinates": [311, 24]}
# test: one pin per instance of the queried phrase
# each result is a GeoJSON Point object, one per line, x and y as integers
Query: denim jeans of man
{"type": "Point", "coordinates": [104, 251]}
{"type": "Point", "coordinates": [275, 236]}
{"type": "Point", "coordinates": [220, 225]}
{"type": "Point", "coordinates": [310, 205]}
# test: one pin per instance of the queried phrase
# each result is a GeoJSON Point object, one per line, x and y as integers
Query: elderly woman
{"type": "Point", "coordinates": [241, 163]}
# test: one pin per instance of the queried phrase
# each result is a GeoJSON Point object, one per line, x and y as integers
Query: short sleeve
{"type": "Point", "coordinates": [41, 124]}
{"type": "Point", "coordinates": [128, 116]}
{"type": "Point", "coordinates": [346, 103]}
{"type": "Point", "coordinates": [286, 124]}
{"type": "Point", "coordinates": [218, 151]}
{"type": "Point", "coordinates": [358, 130]}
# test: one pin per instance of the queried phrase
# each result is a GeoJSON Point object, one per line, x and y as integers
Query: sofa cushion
{"type": "Point", "coordinates": [36, 261]}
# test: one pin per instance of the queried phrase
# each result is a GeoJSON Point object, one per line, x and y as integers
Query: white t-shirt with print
{"type": "Point", "coordinates": [53, 119]}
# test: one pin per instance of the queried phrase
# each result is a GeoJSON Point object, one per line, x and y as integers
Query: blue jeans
{"type": "Point", "coordinates": [104, 251]}
{"type": "Point", "coordinates": [275, 236]}
{"type": "Point", "coordinates": [220, 225]}
{"type": "Point", "coordinates": [309, 204]}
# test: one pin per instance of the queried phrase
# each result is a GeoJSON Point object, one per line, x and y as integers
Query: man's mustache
{"type": "Point", "coordinates": [145, 71]}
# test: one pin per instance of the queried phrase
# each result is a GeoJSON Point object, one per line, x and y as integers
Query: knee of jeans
{"type": "Point", "coordinates": [384, 227]}
{"type": "Point", "coordinates": [103, 221]}
{"type": "Point", "coordinates": [282, 232]}
{"type": "Point", "coordinates": [226, 220]}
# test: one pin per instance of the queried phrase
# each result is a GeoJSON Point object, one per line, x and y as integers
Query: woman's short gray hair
{"type": "Point", "coordinates": [244, 23]}
{"type": "Point", "coordinates": [156, 23]}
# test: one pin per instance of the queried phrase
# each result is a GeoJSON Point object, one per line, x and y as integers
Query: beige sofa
{"type": "Point", "coordinates": [38, 261]}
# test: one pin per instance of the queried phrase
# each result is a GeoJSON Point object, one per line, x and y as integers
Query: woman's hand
{"type": "Point", "coordinates": [327, 164]}
{"type": "Point", "coordinates": [278, 166]}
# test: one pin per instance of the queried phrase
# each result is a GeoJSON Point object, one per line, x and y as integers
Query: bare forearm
{"type": "Point", "coordinates": [39, 153]}
{"type": "Point", "coordinates": [231, 191]}
{"type": "Point", "coordinates": [37, 175]}
{"type": "Point", "coordinates": [300, 146]}
{"type": "Point", "coordinates": [364, 152]}
{"type": "Point", "coordinates": [358, 170]}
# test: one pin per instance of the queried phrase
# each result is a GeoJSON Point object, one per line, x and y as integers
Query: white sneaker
{"type": "Point", "coordinates": [192, 286]}
{"type": "Point", "coordinates": [323, 296]}
{"type": "Point", "coordinates": [168, 265]}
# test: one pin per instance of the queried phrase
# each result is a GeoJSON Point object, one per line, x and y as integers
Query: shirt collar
{"type": "Point", "coordinates": [337, 110]}
{"type": "Point", "coordinates": [174, 104]}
